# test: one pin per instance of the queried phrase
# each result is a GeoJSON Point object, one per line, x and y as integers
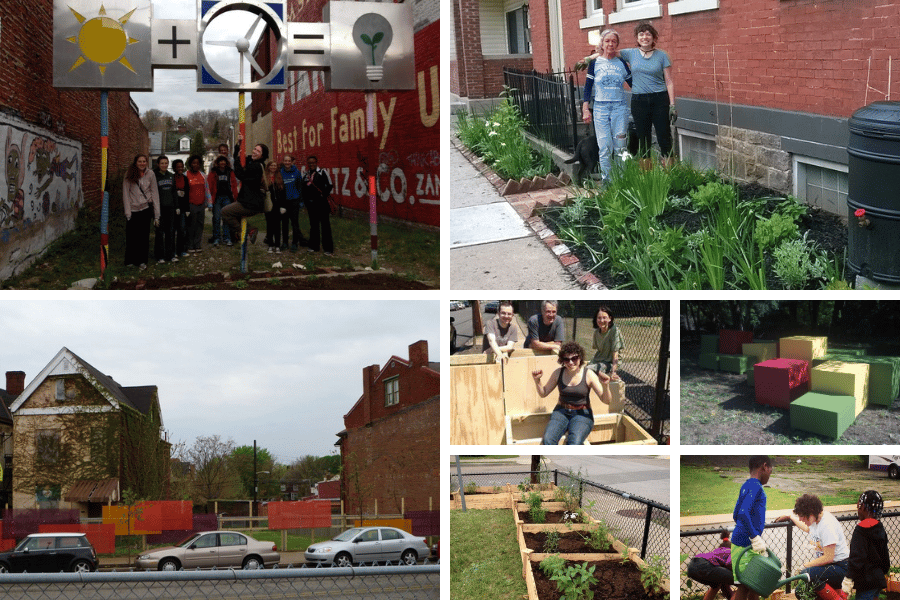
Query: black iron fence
{"type": "Point", "coordinates": [789, 543]}
{"type": "Point", "coordinates": [548, 102]}
{"type": "Point", "coordinates": [644, 364]}
{"type": "Point", "coordinates": [635, 521]}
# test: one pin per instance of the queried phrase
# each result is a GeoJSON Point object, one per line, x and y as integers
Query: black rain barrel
{"type": "Point", "coordinates": [874, 186]}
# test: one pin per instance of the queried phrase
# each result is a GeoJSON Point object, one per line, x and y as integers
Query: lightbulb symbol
{"type": "Point", "coordinates": [373, 34]}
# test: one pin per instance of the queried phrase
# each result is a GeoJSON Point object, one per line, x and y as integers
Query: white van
{"type": "Point", "coordinates": [889, 463]}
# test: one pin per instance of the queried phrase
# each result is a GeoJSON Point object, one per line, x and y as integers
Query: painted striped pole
{"type": "Point", "coordinates": [373, 170]}
{"type": "Point", "coordinates": [104, 207]}
{"type": "Point", "coordinates": [242, 121]}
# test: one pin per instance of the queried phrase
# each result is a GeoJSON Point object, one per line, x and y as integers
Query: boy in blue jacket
{"type": "Point", "coordinates": [750, 516]}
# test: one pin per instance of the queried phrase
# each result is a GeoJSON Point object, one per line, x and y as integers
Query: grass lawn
{"type": "Point", "coordinates": [484, 556]}
{"type": "Point", "coordinates": [705, 492]}
{"type": "Point", "coordinates": [411, 252]}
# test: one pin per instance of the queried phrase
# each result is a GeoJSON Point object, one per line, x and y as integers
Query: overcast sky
{"type": "Point", "coordinates": [175, 90]}
{"type": "Point", "coordinates": [281, 372]}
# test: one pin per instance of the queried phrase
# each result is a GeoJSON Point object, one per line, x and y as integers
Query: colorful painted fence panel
{"type": "Point", "coordinates": [102, 536]}
{"type": "Point", "coordinates": [302, 514]}
{"type": "Point", "coordinates": [19, 522]}
{"type": "Point", "coordinates": [118, 516]}
{"type": "Point", "coordinates": [404, 524]}
{"type": "Point", "coordinates": [167, 515]}
{"type": "Point", "coordinates": [424, 522]}
{"type": "Point", "coordinates": [200, 523]}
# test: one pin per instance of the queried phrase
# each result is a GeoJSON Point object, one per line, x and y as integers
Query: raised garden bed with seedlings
{"type": "Point", "coordinates": [681, 228]}
{"type": "Point", "coordinates": [577, 558]}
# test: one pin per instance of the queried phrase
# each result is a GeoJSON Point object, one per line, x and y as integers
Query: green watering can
{"type": "Point", "coordinates": [762, 573]}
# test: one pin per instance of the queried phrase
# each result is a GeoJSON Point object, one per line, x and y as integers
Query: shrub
{"type": "Point", "coordinates": [794, 266]}
{"type": "Point", "coordinates": [533, 499]}
{"type": "Point", "coordinates": [551, 542]}
{"type": "Point", "coordinates": [537, 514]}
{"type": "Point", "coordinates": [653, 575]}
{"type": "Point", "coordinates": [471, 487]}
{"type": "Point", "coordinates": [598, 538]}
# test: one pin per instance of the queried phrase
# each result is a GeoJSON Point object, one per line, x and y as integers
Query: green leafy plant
{"type": "Point", "coordinates": [804, 591]}
{"type": "Point", "coordinates": [625, 557]}
{"type": "Point", "coordinates": [551, 542]}
{"type": "Point", "coordinates": [794, 266]}
{"type": "Point", "coordinates": [653, 574]}
{"type": "Point", "coordinates": [471, 487]}
{"type": "Point", "coordinates": [552, 565]}
{"type": "Point", "coordinates": [497, 489]}
{"type": "Point", "coordinates": [598, 538]}
{"type": "Point", "coordinates": [537, 514]}
{"type": "Point", "coordinates": [372, 41]}
{"type": "Point", "coordinates": [534, 500]}
{"type": "Point", "coordinates": [773, 231]}
{"type": "Point", "coordinates": [709, 196]}
{"type": "Point", "coordinates": [575, 581]}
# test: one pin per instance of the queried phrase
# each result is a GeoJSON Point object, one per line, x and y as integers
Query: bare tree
{"type": "Point", "coordinates": [212, 477]}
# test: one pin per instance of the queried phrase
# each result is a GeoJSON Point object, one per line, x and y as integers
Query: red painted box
{"type": "Point", "coordinates": [731, 340]}
{"type": "Point", "coordinates": [780, 381]}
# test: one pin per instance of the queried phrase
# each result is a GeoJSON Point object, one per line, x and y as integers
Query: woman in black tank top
{"type": "Point", "coordinates": [572, 415]}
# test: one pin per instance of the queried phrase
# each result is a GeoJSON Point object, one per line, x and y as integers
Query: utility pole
{"type": "Point", "coordinates": [255, 481]}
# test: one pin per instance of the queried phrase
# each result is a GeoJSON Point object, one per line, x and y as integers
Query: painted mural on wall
{"type": "Point", "coordinates": [41, 174]}
{"type": "Point", "coordinates": [332, 125]}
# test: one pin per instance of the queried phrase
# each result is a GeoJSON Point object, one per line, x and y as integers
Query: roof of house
{"type": "Point", "coordinates": [5, 400]}
{"type": "Point", "coordinates": [140, 398]}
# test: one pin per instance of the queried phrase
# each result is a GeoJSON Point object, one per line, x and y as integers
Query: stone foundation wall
{"type": "Point", "coordinates": [754, 157]}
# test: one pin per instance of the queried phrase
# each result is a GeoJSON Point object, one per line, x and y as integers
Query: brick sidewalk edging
{"type": "Point", "coordinates": [529, 204]}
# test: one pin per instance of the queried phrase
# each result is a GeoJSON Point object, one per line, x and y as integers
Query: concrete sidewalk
{"type": "Point", "coordinates": [491, 244]}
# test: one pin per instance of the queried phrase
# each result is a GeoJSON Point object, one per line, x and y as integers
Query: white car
{"type": "Point", "coordinates": [369, 545]}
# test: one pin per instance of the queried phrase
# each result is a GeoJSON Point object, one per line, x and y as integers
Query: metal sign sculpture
{"type": "Point", "coordinates": [361, 46]}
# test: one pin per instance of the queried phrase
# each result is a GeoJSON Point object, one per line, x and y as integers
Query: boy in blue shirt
{"type": "Point", "coordinates": [750, 516]}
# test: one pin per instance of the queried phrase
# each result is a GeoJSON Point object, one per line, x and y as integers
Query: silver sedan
{"type": "Point", "coordinates": [219, 549]}
{"type": "Point", "coordinates": [369, 545]}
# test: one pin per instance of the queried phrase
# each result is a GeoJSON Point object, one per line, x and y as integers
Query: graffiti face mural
{"type": "Point", "coordinates": [14, 202]}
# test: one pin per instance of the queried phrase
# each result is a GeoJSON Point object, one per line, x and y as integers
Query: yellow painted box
{"type": "Point", "coordinates": [763, 351]}
{"type": "Point", "coordinates": [803, 347]}
{"type": "Point", "coordinates": [842, 378]}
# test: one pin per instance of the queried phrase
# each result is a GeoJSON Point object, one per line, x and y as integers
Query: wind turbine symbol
{"type": "Point", "coordinates": [243, 48]}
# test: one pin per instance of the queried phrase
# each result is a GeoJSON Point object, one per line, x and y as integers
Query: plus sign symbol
{"type": "Point", "coordinates": [166, 36]}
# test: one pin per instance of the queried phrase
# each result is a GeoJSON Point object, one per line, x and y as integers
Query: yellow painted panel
{"type": "Point", "coordinates": [803, 347]}
{"type": "Point", "coordinates": [763, 351]}
{"type": "Point", "coordinates": [843, 379]}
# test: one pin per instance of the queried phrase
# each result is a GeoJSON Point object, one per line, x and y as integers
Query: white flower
{"type": "Point", "coordinates": [502, 143]}
{"type": "Point", "coordinates": [493, 133]}
{"type": "Point", "coordinates": [625, 155]}
{"type": "Point", "coordinates": [496, 124]}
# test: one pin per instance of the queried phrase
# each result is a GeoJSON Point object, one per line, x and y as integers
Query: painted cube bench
{"type": "Point", "coordinates": [884, 377]}
{"type": "Point", "coordinates": [709, 344]}
{"type": "Point", "coordinates": [780, 381]}
{"type": "Point", "coordinates": [828, 415]}
{"type": "Point", "coordinates": [843, 379]}
{"type": "Point", "coordinates": [734, 363]}
{"type": "Point", "coordinates": [709, 360]}
{"type": "Point", "coordinates": [802, 347]}
{"type": "Point", "coordinates": [731, 340]}
{"type": "Point", "coordinates": [851, 349]}
{"type": "Point", "coordinates": [763, 351]}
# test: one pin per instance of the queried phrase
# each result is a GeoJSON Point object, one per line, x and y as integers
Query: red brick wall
{"type": "Point", "coordinates": [800, 55]}
{"type": "Point", "coordinates": [308, 120]}
{"type": "Point", "coordinates": [416, 384]}
{"type": "Point", "coordinates": [399, 457]}
{"type": "Point", "coordinates": [26, 71]}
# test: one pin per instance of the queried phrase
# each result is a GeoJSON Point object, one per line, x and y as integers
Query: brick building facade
{"type": "Point", "coordinates": [306, 120]}
{"type": "Point", "coordinates": [764, 87]}
{"type": "Point", "coordinates": [39, 201]}
{"type": "Point", "coordinates": [390, 447]}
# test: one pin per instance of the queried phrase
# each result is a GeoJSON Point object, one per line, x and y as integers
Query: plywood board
{"type": "Point", "coordinates": [476, 405]}
{"type": "Point", "coordinates": [521, 393]}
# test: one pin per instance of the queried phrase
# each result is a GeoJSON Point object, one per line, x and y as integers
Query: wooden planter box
{"type": "Point", "coordinates": [893, 583]}
{"type": "Point", "coordinates": [608, 429]}
{"type": "Point", "coordinates": [483, 501]}
{"type": "Point", "coordinates": [524, 528]}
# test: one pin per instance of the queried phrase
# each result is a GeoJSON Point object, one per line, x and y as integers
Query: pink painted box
{"type": "Point", "coordinates": [780, 381]}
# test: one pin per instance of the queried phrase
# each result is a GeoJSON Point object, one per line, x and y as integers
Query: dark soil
{"type": "Point", "coordinates": [718, 407]}
{"type": "Point", "coordinates": [615, 581]}
{"type": "Point", "coordinates": [570, 542]}
{"type": "Point", "coordinates": [827, 230]}
{"type": "Point", "coordinates": [291, 279]}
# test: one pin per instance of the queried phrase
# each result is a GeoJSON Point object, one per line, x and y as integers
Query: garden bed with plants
{"type": "Point", "coordinates": [567, 542]}
{"type": "Point", "coordinates": [610, 579]}
{"type": "Point", "coordinates": [681, 228]}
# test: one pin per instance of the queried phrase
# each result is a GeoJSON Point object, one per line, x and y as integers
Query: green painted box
{"type": "Point", "coordinates": [802, 347]}
{"type": "Point", "coordinates": [709, 360]}
{"type": "Point", "coordinates": [851, 350]}
{"type": "Point", "coordinates": [733, 363]}
{"type": "Point", "coordinates": [750, 372]}
{"type": "Point", "coordinates": [843, 379]}
{"type": "Point", "coordinates": [884, 377]}
{"type": "Point", "coordinates": [828, 415]}
{"type": "Point", "coordinates": [709, 344]}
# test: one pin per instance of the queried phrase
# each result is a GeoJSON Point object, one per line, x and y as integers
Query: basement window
{"type": "Point", "coordinates": [821, 183]}
{"type": "Point", "coordinates": [392, 391]}
{"type": "Point", "coordinates": [698, 149]}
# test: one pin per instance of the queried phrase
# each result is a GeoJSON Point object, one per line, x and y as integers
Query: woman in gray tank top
{"type": "Point", "coordinates": [572, 415]}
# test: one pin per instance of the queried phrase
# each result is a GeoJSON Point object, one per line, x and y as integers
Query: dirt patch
{"type": "Point", "coordinates": [570, 542]}
{"type": "Point", "coordinates": [718, 407]}
{"type": "Point", "coordinates": [290, 279]}
{"type": "Point", "coordinates": [820, 475]}
{"type": "Point", "coordinates": [615, 581]}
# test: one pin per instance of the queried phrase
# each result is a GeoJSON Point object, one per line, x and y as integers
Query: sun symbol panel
{"type": "Point", "coordinates": [102, 45]}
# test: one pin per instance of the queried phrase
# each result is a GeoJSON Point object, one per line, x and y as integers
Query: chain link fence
{"type": "Point", "coordinates": [635, 521]}
{"type": "Point", "coordinates": [406, 583]}
{"type": "Point", "coordinates": [643, 365]}
{"type": "Point", "coordinates": [790, 544]}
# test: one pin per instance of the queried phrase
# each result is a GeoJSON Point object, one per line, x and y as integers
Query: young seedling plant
{"type": "Point", "coordinates": [652, 576]}
{"type": "Point", "coordinates": [575, 581]}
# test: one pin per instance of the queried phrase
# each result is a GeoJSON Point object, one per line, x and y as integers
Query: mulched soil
{"type": "Point", "coordinates": [615, 581]}
{"type": "Point", "coordinates": [291, 279]}
{"type": "Point", "coordinates": [570, 542]}
{"type": "Point", "coordinates": [827, 230]}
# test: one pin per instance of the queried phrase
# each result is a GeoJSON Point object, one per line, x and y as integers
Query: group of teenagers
{"type": "Point", "coordinates": [836, 568]}
{"type": "Point", "coordinates": [575, 379]}
{"type": "Point", "coordinates": [647, 70]}
{"type": "Point", "coordinates": [175, 203]}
